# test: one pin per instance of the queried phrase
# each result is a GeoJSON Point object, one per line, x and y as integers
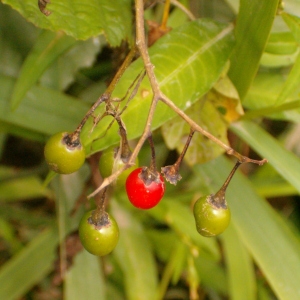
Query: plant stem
{"type": "Point", "coordinates": [165, 15]}
{"type": "Point", "coordinates": [222, 190]}
{"type": "Point", "coordinates": [158, 95]}
{"type": "Point", "coordinates": [107, 94]}
{"type": "Point", "coordinates": [183, 152]}
{"type": "Point", "coordinates": [153, 158]}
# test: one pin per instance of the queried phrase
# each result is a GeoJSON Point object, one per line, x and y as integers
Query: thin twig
{"type": "Point", "coordinates": [184, 9]}
{"type": "Point", "coordinates": [158, 95]}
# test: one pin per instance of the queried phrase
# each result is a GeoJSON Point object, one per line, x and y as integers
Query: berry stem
{"type": "Point", "coordinates": [99, 215]}
{"type": "Point", "coordinates": [183, 152]}
{"type": "Point", "coordinates": [219, 197]}
{"type": "Point", "coordinates": [152, 167]}
{"type": "Point", "coordinates": [171, 173]}
{"type": "Point", "coordinates": [124, 145]}
{"type": "Point", "coordinates": [107, 94]}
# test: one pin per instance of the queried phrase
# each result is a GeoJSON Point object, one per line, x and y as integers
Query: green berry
{"type": "Point", "coordinates": [63, 155]}
{"type": "Point", "coordinates": [100, 238]}
{"type": "Point", "coordinates": [211, 217]}
{"type": "Point", "coordinates": [108, 164]}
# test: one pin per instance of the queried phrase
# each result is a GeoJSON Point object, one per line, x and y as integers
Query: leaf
{"type": "Point", "coordinates": [259, 227]}
{"type": "Point", "coordinates": [283, 161]}
{"type": "Point", "coordinates": [62, 72]}
{"type": "Point", "coordinates": [212, 275]}
{"type": "Point", "coordinates": [263, 95]}
{"type": "Point", "coordinates": [196, 63]}
{"type": "Point", "coordinates": [227, 100]}
{"type": "Point", "coordinates": [14, 214]}
{"type": "Point", "coordinates": [134, 255]}
{"type": "Point", "coordinates": [281, 43]}
{"type": "Point", "coordinates": [268, 183]}
{"type": "Point", "coordinates": [288, 111]}
{"type": "Point", "coordinates": [201, 149]}
{"type": "Point", "coordinates": [278, 60]}
{"type": "Point", "coordinates": [24, 188]}
{"type": "Point", "coordinates": [292, 82]}
{"type": "Point", "coordinates": [238, 261]}
{"type": "Point", "coordinates": [293, 23]}
{"type": "Point", "coordinates": [255, 18]}
{"type": "Point", "coordinates": [56, 112]}
{"type": "Point", "coordinates": [180, 218]}
{"type": "Point", "coordinates": [90, 287]}
{"type": "Point", "coordinates": [29, 266]}
{"type": "Point", "coordinates": [49, 46]}
{"type": "Point", "coordinates": [81, 19]}
{"type": "Point", "coordinates": [8, 234]}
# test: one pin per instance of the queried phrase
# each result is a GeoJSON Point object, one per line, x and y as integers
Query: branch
{"type": "Point", "coordinates": [159, 96]}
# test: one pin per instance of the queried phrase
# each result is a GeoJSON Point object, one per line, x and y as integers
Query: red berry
{"type": "Point", "coordinates": [144, 189]}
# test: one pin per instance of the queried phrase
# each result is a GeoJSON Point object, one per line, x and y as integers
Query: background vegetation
{"type": "Point", "coordinates": [243, 88]}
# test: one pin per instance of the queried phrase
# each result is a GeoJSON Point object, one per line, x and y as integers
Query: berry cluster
{"type": "Point", "coordinates": [145, 187]}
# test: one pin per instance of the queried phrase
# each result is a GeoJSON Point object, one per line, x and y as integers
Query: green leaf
{"type": "Point", "coordinates": [259, 227]}
{"type": "Point", "coordinates": [180, 218]}
{"type": "Point", "coordinates": [281, 43]}
{"type": "Point", "coordinates": [283, 161]}
{"type": "Point", "coordinates": [48, 47]}
{"type": "Point", "coordinates": [238, 261]}
{"type": "Point", "coordinates": [212, 275]}
{"type": "Point", "coordinates": [92, 285]}
{"type": "Point", "coordinates": [13, 213]}
{"type": "Point", "coordinates": [135, 257]}
{"type": "Point", "coordinates": [292, 82]}
{"type": "Point", "coordinates": [262, 98]}
{"type": "Point", "coordinates": [8, 234]}
{"type": "Point", "coordinates": [288, 111]}
{"type": "Point", "coordinates": [24, 188]}
{"type": "Point", "coordinates": [81, 19]}
{"type": "Point", "coordinates": [201, 149]}
{"type": "Point", "coordinates": [56, 112]}
{"type": "Point", "coordinates": [61, 73]}
{"type": "Point", "coordinates": [29, 266]}
{"type": "Point", "coordinates": [270, 60]}
{"type": "Point", "coordinates": [255, 18]}
{"type": "Point", "coordinates": [268, 183]}
{"type": "Point", "coordinates": [197, 62]}
{"type": "Point", "coordinates": [293, 23]}
{"type": "Point", "coordinates": [173, 268]}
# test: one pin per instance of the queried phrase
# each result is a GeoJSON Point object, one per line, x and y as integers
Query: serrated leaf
{"type": "Point", "coordinates": [188, 61]}
{"type": "Point", "coordinates": [81, 19]}
{"type": "Point", "coordinates": [201, 149]}
{"type": "Point", "coordinates": [48, 47]}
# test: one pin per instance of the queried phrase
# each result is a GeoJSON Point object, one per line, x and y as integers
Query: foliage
{"type": "Point", "coordinates": [240, 83]}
